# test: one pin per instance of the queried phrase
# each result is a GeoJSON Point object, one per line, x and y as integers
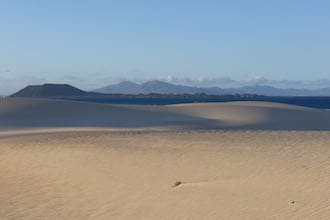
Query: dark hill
{"type": "Point", "coordinates": [49, 90]}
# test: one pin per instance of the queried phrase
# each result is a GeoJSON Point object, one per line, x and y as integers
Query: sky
{"type": "Point", "coordinates": [93, 43]}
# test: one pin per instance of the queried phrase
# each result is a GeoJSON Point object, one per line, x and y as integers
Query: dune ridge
{"type": "Point", "coordinates": [239, 160]}
{"type": "Point", "coordinates": [18, 113]}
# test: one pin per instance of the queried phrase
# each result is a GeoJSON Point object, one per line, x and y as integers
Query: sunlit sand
{"type": "Point", "coordinates": [244, 160]}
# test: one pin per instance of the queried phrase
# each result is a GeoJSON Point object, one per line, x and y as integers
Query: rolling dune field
{"type": "Point", "coordinates": [42, 113]}
{"type": "Point", "coordinates": [242, 160]}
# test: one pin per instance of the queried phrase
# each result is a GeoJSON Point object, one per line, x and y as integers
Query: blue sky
{"type": "Point", "coordinates": [57, 40]}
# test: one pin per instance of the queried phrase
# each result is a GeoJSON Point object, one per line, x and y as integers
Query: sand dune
{"type": "Point", "coordinates": [55, 113]}
{"type": "Point", "coordinates": [102, 174]}
{"type": "Point", "coordinates": [258, 115]}
{"type": "Point", "coordinates": [15, 113]}
{"type": "Point", "coordinates": [239, 160]}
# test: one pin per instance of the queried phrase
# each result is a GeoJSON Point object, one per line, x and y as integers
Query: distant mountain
{"type": "Point", "coordinates": [49, 90]}
{"type": "Point", "coordinates": [125, 87]}
{"type": "Point", "coordinates": [154, 86]}
{"type": "Point", "coordinates": [157, 86]}
{"type": "Point", "coordinates": [161, 87]}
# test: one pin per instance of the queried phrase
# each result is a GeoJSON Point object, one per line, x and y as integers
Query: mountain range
{"type": "Point", "coordinates": [160, 87]}
{"type": "Point", "coordinates": [156, 86]}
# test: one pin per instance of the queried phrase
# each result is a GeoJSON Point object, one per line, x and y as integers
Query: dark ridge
{"type": "Point", "coordinates": [49, 90]}
{"type": "Point", "coordinates": [68, 92]}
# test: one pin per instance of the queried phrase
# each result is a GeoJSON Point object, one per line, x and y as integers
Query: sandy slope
{"type": "Point", "coordinates": [104, 174]}
{"type": "Point", "coordinates": [70, 160]}
{"type": "Point", "coordinates": [16, 113]}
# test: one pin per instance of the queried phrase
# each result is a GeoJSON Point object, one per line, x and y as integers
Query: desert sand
{"type": "Point", "coordinates": [241, 160]}
{"type": "Point", "coordinates": [39, 113]}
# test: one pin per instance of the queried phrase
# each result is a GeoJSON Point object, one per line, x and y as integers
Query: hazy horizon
{"type": "Point", "coordinates": [11, 85]}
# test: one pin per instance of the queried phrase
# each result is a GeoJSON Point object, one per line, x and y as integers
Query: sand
{"type": "Point", "coordinates": [39, 113]}
{"type": "Point", "coordinates": [195, 161]}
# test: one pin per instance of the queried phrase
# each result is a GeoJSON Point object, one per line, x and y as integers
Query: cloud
{"type": "Point", "coordinates": [227, 82]}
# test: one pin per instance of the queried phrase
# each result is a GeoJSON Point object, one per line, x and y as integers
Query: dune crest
{"type": "Point", "coordinates": [239, 160]}
{"type": "Point", "coordinates": [20, 113]}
